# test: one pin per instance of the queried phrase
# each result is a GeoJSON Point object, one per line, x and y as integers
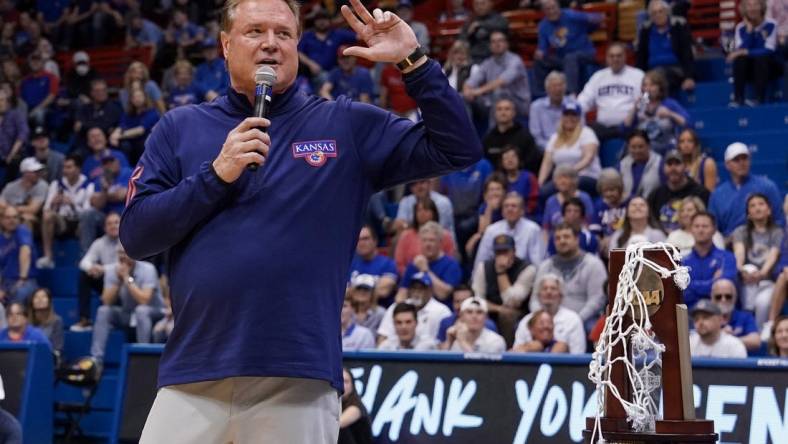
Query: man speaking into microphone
{"type": "Point", "coordinates": [259, 259]}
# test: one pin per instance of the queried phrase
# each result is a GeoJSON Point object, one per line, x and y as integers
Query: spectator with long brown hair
{"type": "Point", "coordinates": [354, 421]}
{"type": "Point", "coordinates": [778, 341]}
{"type": "Point", "coordinates": [138, 72]}
{"type": "Point", "coordinates": [639, 226]}
{"type": "Point", "coordinates": [700, 167]}
{"type": "Point", "coordinates": [41, 313]}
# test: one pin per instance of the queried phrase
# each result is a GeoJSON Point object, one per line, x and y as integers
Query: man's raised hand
{"type": "Point", "coordinates": [388, 37]}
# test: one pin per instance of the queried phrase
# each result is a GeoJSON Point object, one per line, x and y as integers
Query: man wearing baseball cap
{"type": "Point", "coordinates": [26, 194]}
{"type": "Point", "coordinates": [728, 202]}
{"type": "Point", "coordinates": [709, 339]}
{"type": "Point", "coordinates": [430, 310]}
{"type": "Point", "coordinates": [469, 334]}
{"type": "Point", "coordinates": [665, 201]}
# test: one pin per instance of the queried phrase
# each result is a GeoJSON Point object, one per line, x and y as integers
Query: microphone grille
{"type": "Point", "coordinates": [265, 74]}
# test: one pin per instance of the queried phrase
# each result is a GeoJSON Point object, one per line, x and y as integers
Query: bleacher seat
{"type": "Point", "coordinates": [67, 252]}
{"type": "Point", "coordinates": [723, 119]}
{"type": "Point", "coordinates": [63, 281]}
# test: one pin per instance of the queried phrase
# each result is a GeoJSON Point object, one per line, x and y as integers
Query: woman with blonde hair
{"type": "Point", "coordinates": [573, 144]}
{"type": "Point", "coordinates": [700, 167]}
{"type": "Point", "coordinates": [138, 72]}
{"type": "Point", "coordinates": [136, 123]}
{"type": "Point", "coordinates": [458, 64]}
{"type": "Point", "coordinates": [682, 238]}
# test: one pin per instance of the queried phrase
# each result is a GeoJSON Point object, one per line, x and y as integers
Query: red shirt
{"type": "Point", "coordinates": [398, 99]}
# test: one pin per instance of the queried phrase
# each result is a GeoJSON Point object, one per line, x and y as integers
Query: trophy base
{"type": "Point", "coordinates": [618, 431]}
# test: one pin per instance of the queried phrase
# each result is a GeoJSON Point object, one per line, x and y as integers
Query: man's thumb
{"type": "Point", "coordinates": [358, 51]}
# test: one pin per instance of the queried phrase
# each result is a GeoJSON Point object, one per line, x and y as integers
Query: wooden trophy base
{"type": "Point", "coordinates": [617, 431]}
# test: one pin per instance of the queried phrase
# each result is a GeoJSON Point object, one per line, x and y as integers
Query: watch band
{"type": "Point", "coordinates": [411, 59]}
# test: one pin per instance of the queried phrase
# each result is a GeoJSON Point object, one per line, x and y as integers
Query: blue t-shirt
{"type": "Point", "coordinates": [637, 175]}
{"type": "Point", "coordinates": [212, 76]}
{"type": "Point", "coordinates": [552, 210]}
{"type": "Point", "coordinates": [379, 266]}
{"type": "Point", "coordinates": [445, 267]}
{"type": "Point", "coordinates": [702, 271]}
{"type": "Point", "coordinates": [32, 334]}
{"type": "Point", "coordinates": [742, 323]}
{"type": "Point", "coordinates": [35, 88]}
{"type": "Point", "coordinates": [9, 252]}
{"type": "Point", "coordinates": [281, 237]}
{"type": "Point", "coordinates": [728, 202]}
{"type": "Point", "coordinates": [660, 49]}
{"type": "Point", "coordinates": [146, 120]}
{"type": "Point", "coordinates": [122, 181]}
{"type": "Point", "coordinates": [92, 167]}
{"type": "Point", "coordinates": [527, 186]}
{"type": "Point", "coordinates": [324, 52]}
{"type": "Point", "coordinates": [185, 95]}
{"type": "Point", "coordinates": [464, 188]}
{"type": "Point", "coordinates": [353, 84]}
{"type": "Point", "coordinates": [448, 321]}
{"type": "Point", "coordinates": [52, 9]}
{"type": "Point", "coordinates": [607, 220]}
{"type": "Point", "coordinates": [568, 34]}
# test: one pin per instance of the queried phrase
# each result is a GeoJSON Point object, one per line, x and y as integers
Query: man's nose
{"type": "Point", "coordinates": [269, 42]}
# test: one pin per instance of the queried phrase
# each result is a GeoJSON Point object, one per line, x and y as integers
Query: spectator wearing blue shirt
{"type": "Point", "coordinates": [110, 188]}
{"type": "Point", "coordinates": [566, 181]}
{"type": "Point", "coordinates": [728, 202]}
{"type": "Point", "coordinates": [19, 328]}
{"type": "Point", "coordinates": [135, 124]}
{"type": "Point", "coordinates": [17, 256]}
{"type": "Point", "coordinates": [738, 323]}
{"type": "Point", "coordinates": [38, 89]}
{"type": "Point", "coordinates": [443, 271]}
{"type": "Point", "coordinates": [706, 262]}
{"type": "Point", "coordinates": [181, 32]}
{"type": "Point", "coordinates": [464, 189]}
{"type": "Point", "coordinates": [317, 49]}
{"type": "Point", "coordinates": [665, 43]}
{"type": "Point", "coordinates": [754, 58]}
{"type": "Point", "coordinates": [490, 209]}
{"type": "Point", "coordinates": [610, 207]}
{"type": "Point", "coordinates": [349, 80]}
{"type": "Point", "coordinates": [518, 180]}
{"type": "Point", "coordinates": [545, 112]}
{"type": "Point", "coordinates": [185, 91]}
{"type": "Point", "coordinates": [211, 75]}
{"type": "Point", "coordinates": [97, 144]}
{"type": "Point", "coordinates": [564, 44]}
{"type": "Point", "coordinates": [368, 261]}
{"type": "Point", "coordinates": [143, 32]}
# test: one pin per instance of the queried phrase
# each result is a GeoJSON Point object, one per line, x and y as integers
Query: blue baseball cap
{"type": "Point", "coordinates": [572, 107]}
{"type": "Point", "coordinates": [421, 278]}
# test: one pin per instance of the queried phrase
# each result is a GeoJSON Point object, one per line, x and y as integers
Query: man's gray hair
{"type": "Point", "coordinates": [553, 77]}
{"type": "Point", "coordinates": [609, 178]}
{"type": "Point", "coordinates": [432, 227]}
{"type": "Point", "coordinates": [549, 277]}
{"type": "Point", "coordinates": [565, 171]}
{"type": "Point", "coordinates": [732, 285]}
{"type": "Point", "coordinates": [654, 5]}
{"type": "Point", "coordinates": [228, 13]}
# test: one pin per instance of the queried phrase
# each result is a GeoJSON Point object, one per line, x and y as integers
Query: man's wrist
{"type": "Point", "coordinates": [416, 65]}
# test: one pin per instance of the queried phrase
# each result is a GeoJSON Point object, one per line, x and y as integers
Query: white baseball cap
{"type": "Point", "coordinates": [736, 149]}
{"type": "Point", "coordinates": [363, 281]}
{"type": "Point", "coordinates": [30, 165]}
{"type": "Point", "coordinates": [474, 302]}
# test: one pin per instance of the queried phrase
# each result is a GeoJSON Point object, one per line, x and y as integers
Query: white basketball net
{"type": "Point", "coordinates": [637, 340]}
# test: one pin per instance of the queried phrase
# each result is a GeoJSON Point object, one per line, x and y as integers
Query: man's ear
{"type": "Point", "coordinates": [224, 37]}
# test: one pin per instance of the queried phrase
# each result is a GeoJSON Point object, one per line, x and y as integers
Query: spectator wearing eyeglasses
{"type": "Point", "coordinates": [739, 323]}
{"type": "Point", "coordinates": [19, 329]}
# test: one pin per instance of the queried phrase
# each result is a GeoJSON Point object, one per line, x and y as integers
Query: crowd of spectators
{"type": "Point", "coordinates": [508, 254]}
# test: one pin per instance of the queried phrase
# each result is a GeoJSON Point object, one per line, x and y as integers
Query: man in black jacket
{"type": "Point", "coordinates": [665, 42]}
{"type": "Point", "coordinates": [665, 201]}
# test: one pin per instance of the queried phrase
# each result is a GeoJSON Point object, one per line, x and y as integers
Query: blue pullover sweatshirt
{"type": "Point", "coordinates": [259, 267]}
{"type": "Point", "coordinates": [702, 270]}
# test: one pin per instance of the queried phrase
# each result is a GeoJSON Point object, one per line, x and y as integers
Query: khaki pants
{"type": "Point", "coordinates": [245, 410]}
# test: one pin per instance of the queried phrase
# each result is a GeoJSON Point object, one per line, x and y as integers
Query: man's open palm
{"type": "Point", "coordinates": [388, 37]}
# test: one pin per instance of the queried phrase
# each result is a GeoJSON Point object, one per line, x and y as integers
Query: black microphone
{"type": "Point", "coordinates": [264, 79]}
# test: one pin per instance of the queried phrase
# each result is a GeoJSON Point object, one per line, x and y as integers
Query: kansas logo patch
{"type": "Point", "coordinates": [315, 152]}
